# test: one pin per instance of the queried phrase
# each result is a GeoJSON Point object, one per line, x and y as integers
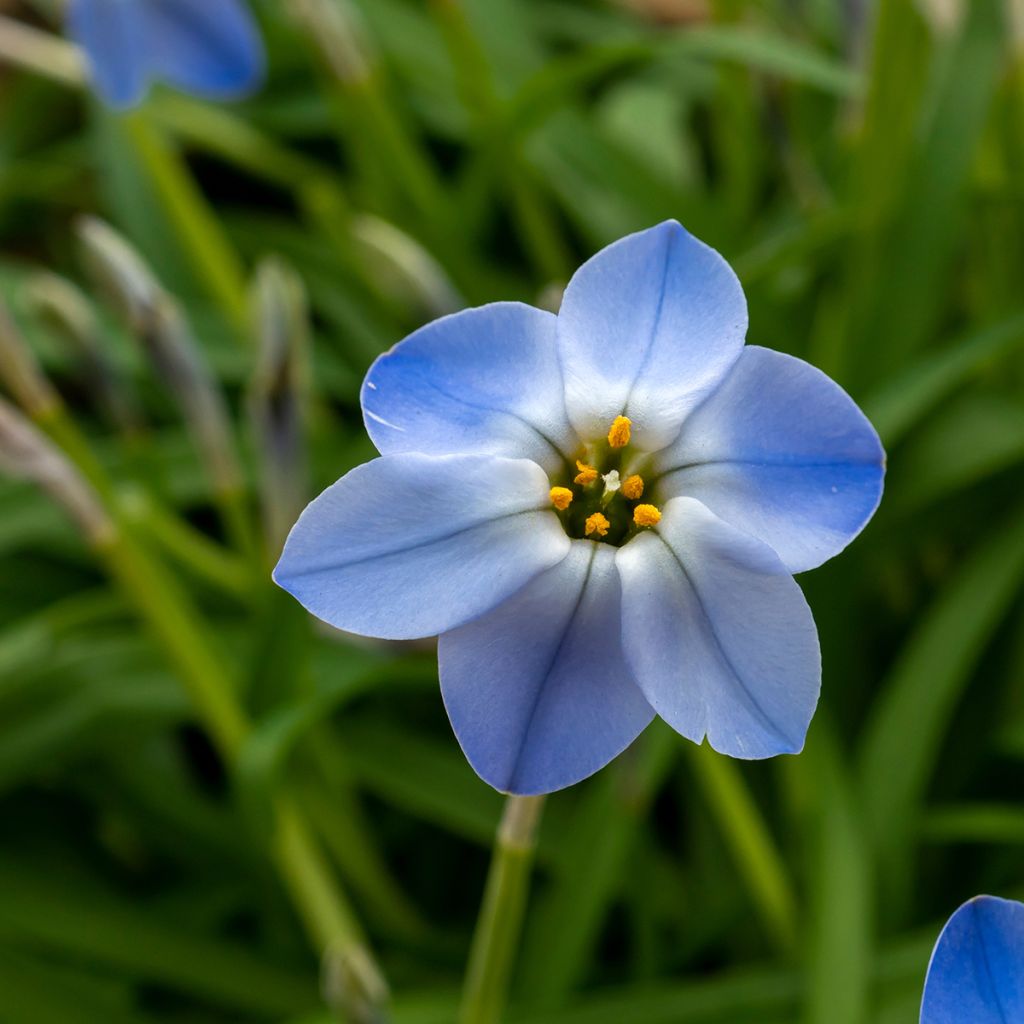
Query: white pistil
{"type": "Point", "coordinates": [612, 483]}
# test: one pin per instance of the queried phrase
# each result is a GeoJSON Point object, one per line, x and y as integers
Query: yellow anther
{"type": "Point", "coordinates": [597, 524]}
{"type": "Point", "coordinates": [618, 435]}
{"type": "Point", "coordinates": [587, 474]}
{"type": "Point", "coordinates": [561, 498]}
{"type": "Point", "coordinates": [633, 487]}
{"type": "Point", "coordinates": [646, 515]}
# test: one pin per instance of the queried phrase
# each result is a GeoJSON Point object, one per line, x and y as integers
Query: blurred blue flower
{"type": "Point", "coordinates": [976, 975]}
{"type": "Point", "coordinates": [600, 513]}
{"type": "Point", "coordinates": [207, 47]}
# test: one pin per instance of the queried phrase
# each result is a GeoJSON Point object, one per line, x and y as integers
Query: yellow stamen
{"type": "Point", "coordinates": [587, 474]}
{"type": "Point", "coordinates": [633, 487]}
{"type": "Point", "coordinates": [618, 435]}
{"type": "Point", "coordinates": [646, 515]}
{"type": "Point", "coordinates": [597, 524]}
{"type": "Point", "coordinates": [561, 498]}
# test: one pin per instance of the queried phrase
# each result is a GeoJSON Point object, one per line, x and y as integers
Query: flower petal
{"type": "Point", "coordinates": [111, 32]}
{"type": "Point", "coordinates": [783, 453]}
{"type": "Point", "coordinates": [648, 328]}
{"type": "Point", "coordinates": [411, 545]}
{"type": "Point", "coordinates": [976, 974]}
{"type": "Point", "coordinates": [212, 49]}
{"type": "Point", "coordinates": [537, 691]}
{"type": "Point", "coordinates": [718, 634]}
{"type": "Point", "coordinates": [483, 380]}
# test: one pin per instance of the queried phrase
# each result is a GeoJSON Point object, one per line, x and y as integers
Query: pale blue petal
{"type": "Point", "coordinates": [648, 328]}
{"type": "Point", "coordinates": [783, 453]}
{"type": "Point", "coordinates": [537, 691]}
{"type": "Point", "coordinates": [976, 975]}
{"type": "Point", "coordinates": [412, 545]}
{"type": "Point", "coordinates": [483, 380]}
{"type": "Point", "coordinates": [718, 634]}
{"type": "Point", "coordinates": [110, 32]}
{"type": "Point", "coordinates": [208, 47]}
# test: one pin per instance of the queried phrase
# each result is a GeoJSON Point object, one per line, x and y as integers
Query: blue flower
{"type": "Point", "coordinates": [207, 47]}
{"type": "Point", "coordinates": [976, 975]}
{"type": "Point", "coordinates": [600, 513]}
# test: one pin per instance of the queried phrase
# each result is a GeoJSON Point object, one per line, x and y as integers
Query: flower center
{"type": "Point", "coordinates": [601, 502]}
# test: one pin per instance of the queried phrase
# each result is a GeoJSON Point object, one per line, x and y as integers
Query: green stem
{"type": "Point", "coordinates": [501, 914]}
{"type": "Point", "coordinates": [198, 230]}
{"type": "Point", "coordinates": [323, 908]}
{"type": "Point", "coordinates": [353, 984]}
{"type": "Point", "coordinates": [155, 593]}
{"type": "Point", "coordinates": [758, 859]}
{"type": "Point", "coordinates": [186, 545]}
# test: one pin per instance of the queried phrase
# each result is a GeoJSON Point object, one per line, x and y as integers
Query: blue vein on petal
{"type": "Point", "coordinates": [656, 324]}
{"type": "Point", "coordinates": [517, 768]}
{"type": "Point", "coordinates": [770, 464]}
{"type": "Point", "coordinates": [772, 726]}
{"type": "Point", "coordinates": [298, 574]}
{"type": "Point", "coordinates": [987, 964]}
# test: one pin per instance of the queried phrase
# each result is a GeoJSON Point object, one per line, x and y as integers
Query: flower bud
{"type": "Point", "coordinates": [26, 453]}
{"type": "Point", "coordinates": [279, 393]}
{"type": "Point", "coordinates": [20, 371]}
{"type": "Point", "coordinates": [158, 322]}
{"type": "Point", "coordinates": [63, 307]}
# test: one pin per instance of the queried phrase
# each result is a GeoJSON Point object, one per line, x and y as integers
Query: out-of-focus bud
{"type": "Point", "coordinates": [66, 310]}
{"type": "Point", "coordinates": [336, 27]}
{"type": "Point", "coordinates": [28, 454]}
{"type": "Point", "coordinates": [404, 268]}
{"type": "Point", "coordinates": [28, 47]}
{"type": "Point", "coordinates": [156, 319]}
{"type": "Point", "coordinates": [353, 986]}
{"type": "Point", "coordinates": [1015, 20]}
{"type": "Point", "coordinates": [121, 272]}
{"type": "Point", "coordinates": [20, 372]}
{"type": "Point", "coordinates": [278, 395]}
{"type": "Point", "coordinates": [944, 16]}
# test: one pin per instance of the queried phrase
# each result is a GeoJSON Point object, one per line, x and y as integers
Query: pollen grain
{"type": "Point", "coordinates": [620, 432]}
{"type": "Point", "coordinates": [646, 515]}
{"type": "Point", "coordinates": [561, 498]}
{"type": "Point", "coordinates": [633, 487]}
{"type": "Point", "coordinates": [597, 524]}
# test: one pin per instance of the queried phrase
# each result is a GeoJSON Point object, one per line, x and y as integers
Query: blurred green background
{"type": "Point", "coordinates": [207, 802]}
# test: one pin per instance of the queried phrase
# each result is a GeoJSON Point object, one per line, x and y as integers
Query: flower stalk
{"type": "Point", "coordinates": [501, 914]}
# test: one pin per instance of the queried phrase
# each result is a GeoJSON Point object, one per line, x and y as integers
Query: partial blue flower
{"type": "Point", "coordinates": [600, 513]}
{"type": "Point", "coordinates": [976, 974]}
{"type": "Point", "coordinates": [210, 48]}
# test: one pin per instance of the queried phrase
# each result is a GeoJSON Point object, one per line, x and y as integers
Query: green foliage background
{"type": "Point", "coordinates": [862, 167]}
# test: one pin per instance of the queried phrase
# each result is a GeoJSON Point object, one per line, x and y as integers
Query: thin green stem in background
{"type": "Point", "coordinates": [750, 842]}
{"type": "Point", "coordinates": [501, 914]}
{"type": "Point", "coordinates": [315, 892]}
{"type": "Point", "coordinates": [198, 230]}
